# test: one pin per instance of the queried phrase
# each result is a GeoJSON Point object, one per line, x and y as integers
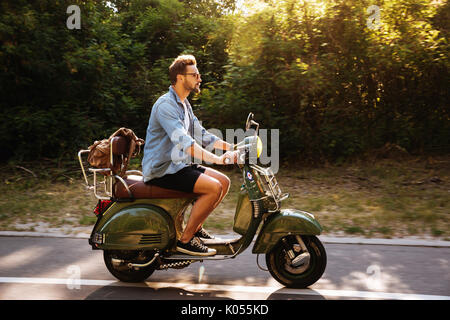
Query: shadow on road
{"type": "Point", "coordinates": [117, 292]}
{"type": "Point", "coordinates": [114, 292]}
{"type": "Point", "coordinates": [281, 295]}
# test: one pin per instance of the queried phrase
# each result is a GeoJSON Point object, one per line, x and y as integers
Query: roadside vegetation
{"type": "Point", "coordinates": [333, 83]}
{"type": "Point", "coordinates": [335, 79]}
{"type": "Point", "coordinates": [381, 198]}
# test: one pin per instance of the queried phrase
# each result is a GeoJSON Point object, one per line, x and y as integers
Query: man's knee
{"type": "Point", "coordinates": [223, 179]}
{"type": "Point", "coordinates": [216, 188]}
{"type": "Point", "coordinates": [226, 184]}
{"type": "Point", "coordinates": [207, 185]}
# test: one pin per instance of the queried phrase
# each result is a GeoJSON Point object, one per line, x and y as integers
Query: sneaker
{"type": "Point", "coordinates": [195, 248]}
{"type": "Point", "coordinates": [202, 233]}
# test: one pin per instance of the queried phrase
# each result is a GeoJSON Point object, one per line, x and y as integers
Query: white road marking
{"type": "Point", "coordinates": [233, 288]}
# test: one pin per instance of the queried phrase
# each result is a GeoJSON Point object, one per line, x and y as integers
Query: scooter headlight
{"type": "Point", "coordinates": [250, 145]}
{"type": "Point", "coordinates": [259, 147]}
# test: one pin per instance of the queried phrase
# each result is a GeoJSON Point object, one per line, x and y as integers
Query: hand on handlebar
{"type": "Point", "coordinates": [230, 157]}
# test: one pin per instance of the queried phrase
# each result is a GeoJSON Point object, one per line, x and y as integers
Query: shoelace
{"type": "Point", "coordinates": [197, 243]}
{"type": "Point", "coordinates": [203, 233]}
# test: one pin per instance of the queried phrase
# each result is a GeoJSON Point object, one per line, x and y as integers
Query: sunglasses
{"type": "Point", "coordinates": [196, 75]}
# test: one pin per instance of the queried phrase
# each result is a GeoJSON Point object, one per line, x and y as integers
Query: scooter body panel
{"type": "Point", "coordinates": [140, 225]}
{"type": "Point", "coordinates": [284, 223]}
{"type": "Point", "coordinates": [243, 214]}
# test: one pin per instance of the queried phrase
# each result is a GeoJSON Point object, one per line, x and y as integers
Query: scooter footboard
{"type": "Point", "coordinates": [284, 223]}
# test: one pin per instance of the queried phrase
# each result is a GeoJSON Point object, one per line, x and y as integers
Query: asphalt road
{"type": "Point", "coordinates": [64, 268]}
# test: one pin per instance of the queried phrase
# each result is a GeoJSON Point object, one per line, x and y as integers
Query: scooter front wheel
{"type": "Point", "coordinates": [117, 263]}
{"type": "Point", "coordinates": [291, 275]}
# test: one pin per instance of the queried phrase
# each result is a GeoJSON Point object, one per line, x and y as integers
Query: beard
{"type": "Point", "coordinates": [192, 88]}
{"type": "Point", "coordinates": [197, 88]}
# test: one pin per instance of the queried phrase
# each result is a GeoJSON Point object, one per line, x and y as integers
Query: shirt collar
{"type": "Point", "coordinates": [177, 98]}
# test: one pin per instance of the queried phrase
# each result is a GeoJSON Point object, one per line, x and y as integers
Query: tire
{"type": "Point", "coordinates": [122, 271]}
{"type": "Point", "coordinates": [303, 276]}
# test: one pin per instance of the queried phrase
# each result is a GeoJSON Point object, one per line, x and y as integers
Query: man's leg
{"type": "Point", "coordinates": [210, 190]}
{"type": "Point", "coordinates": [224, 181]}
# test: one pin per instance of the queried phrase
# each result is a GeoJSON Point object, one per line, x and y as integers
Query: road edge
{"type": "Point", "coordinates": [415, 242]}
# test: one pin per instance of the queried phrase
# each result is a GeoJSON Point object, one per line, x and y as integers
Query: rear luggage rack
{"type": "Point", "coordinates": [108, 180]}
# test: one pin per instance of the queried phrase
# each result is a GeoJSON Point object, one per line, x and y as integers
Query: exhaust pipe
{"type": "Point", "coordinates": [117, 262]}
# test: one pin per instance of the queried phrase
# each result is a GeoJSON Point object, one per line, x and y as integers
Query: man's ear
{"type": "Point", "coordinates": [179, 77]}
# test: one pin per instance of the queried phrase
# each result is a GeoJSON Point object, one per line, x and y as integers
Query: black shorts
{"type": "Point", "coordinates": [183, 180]}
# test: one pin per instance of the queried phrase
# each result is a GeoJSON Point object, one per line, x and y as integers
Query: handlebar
{"type": "Point", "coordinates": [241, 152]}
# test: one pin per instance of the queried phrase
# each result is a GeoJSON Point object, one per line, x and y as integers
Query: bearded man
{"type": "Point", "coordinates": [174, 137]}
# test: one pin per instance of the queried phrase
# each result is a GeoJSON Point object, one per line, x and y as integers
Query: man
{"type": "Point", "coordinates": [174, 136]}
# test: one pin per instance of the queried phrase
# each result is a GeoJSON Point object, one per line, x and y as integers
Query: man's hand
{"type": "Point", "coordinates": [199, 153]}
{"type": "Point", "coordinates": [229, 157]}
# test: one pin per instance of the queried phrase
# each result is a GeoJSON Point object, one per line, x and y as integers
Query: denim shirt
{"type": "Point", "coordinates": [167, 138]}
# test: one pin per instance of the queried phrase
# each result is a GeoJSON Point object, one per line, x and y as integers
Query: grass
{"type": "Point", "coordinates": [383, 198]}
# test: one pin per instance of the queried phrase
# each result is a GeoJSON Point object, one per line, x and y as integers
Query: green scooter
{"type": "Point", "coordinates": [138, 224]}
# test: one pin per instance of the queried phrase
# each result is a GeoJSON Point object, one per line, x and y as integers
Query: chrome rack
{"type": "Point", "coordinates": [107, 180]}
{"type": "Point", "coordinates": [271, 187]}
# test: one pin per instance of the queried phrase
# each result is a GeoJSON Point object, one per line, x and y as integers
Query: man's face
{"type": "Point", "coordinates": [192, 79]}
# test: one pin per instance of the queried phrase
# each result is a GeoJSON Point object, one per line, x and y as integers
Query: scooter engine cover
{"type": "Point", "coordinates": [140, 227]}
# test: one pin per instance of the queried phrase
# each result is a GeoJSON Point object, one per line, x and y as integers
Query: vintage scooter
{"type": "Point", "coordinates": [139, 225]}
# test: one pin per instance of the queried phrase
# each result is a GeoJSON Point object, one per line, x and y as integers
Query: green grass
{"type": "Point", "coordinates": [384, 198]}
{"type": "Point", "coordinates": [43, 194]}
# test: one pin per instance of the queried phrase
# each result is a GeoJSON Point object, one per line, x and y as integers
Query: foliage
{"type": "Point", "coordinates": [314, 69]}
{"type": "Point", "coordinates": [335, 87]}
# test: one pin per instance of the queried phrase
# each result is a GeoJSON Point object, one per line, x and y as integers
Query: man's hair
{"type": "Point", "coordinates": [178, 66]}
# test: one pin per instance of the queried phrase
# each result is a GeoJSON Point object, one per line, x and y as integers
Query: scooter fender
{"type": "Point", "coordinates": [137, 227]}
{"type": "Point", "coordinates": [283, 223]}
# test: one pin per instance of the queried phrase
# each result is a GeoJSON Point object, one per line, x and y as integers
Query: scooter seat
{"type": "Point", "coordinates": [141, 190]}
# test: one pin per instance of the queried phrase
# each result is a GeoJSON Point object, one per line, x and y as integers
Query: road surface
{"type": "Point", "coordinates": [67, 268]}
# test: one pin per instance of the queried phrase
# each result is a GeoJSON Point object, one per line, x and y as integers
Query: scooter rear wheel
{"type": "Point", "coordinates": [280, 267]}
{"type": "Point", "coordinates": [122, 271]}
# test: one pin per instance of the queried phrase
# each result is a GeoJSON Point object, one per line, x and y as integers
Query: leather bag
{"type": "Point", "coordinates": [100, 152]}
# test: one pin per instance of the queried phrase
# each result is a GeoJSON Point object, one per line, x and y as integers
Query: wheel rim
{"type": "Point", "coordinates": [295, 270]}
{"type": "Point", "coordinates": [303, 276]}
{"type": "Point", "coordinates": [303, 271]}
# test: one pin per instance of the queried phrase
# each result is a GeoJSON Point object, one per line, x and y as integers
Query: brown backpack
{"type": "Point", "coordinates": [100, 152]}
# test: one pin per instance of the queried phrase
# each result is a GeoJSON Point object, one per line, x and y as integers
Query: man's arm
{"type": "Point", "coordinates": [203, 155]}
{"type": "Point", "coordinates": [220, 144]}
